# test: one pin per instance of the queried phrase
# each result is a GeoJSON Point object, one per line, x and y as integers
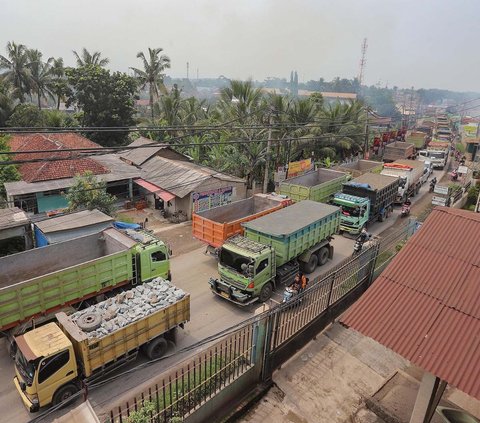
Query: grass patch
{"type": "Point", "coordinates": [124, 217]}
{"type": "Point", "coordinates": [460, 147]}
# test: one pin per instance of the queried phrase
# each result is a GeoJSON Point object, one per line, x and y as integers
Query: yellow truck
{"type": "Point", "coordinates": [53, 360]}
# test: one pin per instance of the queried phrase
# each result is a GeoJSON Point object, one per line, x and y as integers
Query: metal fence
{"type": "Point", "coordinates": [262, 342]}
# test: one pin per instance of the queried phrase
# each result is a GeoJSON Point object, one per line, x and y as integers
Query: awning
{"type": "Point", "coordinates": [164, 195]}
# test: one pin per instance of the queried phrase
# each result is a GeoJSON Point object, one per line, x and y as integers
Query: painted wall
{"type": "Point", "coordinates": [50, 202]}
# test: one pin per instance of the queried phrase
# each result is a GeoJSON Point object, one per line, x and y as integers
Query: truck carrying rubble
{"type": "Point", "coordinates": [91, 343]}
{"type": "Point", "coordinates": [214, 226]}
{"type": "Point", "coordinates": [398, 150]}
{"type": "Point", "coordinates": [60, 276]}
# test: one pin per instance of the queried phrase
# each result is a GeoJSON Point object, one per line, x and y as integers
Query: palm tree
{"type": "Point", "coordinates": [152, 73]}
{"type": "Point", "coordinates": [59, 81]}
{"type": "Point", "coordinates": [87, 58]}
{"type": "Point", "coordinates": [40, 74]}
{"type": "Point", "coordinates": [6, 101]}
{"type": "Point", "coordinates": [17, 69]}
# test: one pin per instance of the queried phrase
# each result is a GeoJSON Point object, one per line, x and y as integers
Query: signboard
{"type": "Point", "coordinates": [299, 168]}
{"type": "Point", "coordinates": [439, 189]}
{"type": "Point", "coordinates": [462, 169]}
{"type": "Point", "coordinates": [470, 130]}
{"type": "Point", "coordinates": [213, 198]}
{"type": "Point", "coordinates": [439, 201]}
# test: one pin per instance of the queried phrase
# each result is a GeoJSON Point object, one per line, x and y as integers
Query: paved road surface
{"type": "Point", "coordinates": [209, 315]}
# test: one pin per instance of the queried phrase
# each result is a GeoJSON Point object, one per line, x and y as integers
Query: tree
{"type": "Point", "coordinates": [17, 71]}
{"type": "Point", "coordinates": [58, 84]}
{"type": "Point", "coordinates": [40, 75]}
{"type": "Point", "coordinates": [8, 173]}
{"type": "Point", "coordinates": [152, 73]}
{"type": "Point", "coordinates": [26, 116]}
{"type": "Point", "coordinates": [6, 102]}
{"type": "Point", "coordinates": [86, 58]}
{"type": "Point", "coordinates": [105, 99]}
{"type": "Point", "coordinates": [89, 193]}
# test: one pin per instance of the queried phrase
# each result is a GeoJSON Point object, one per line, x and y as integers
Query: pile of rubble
{"type": "Point", "coordinates": [127, 307]}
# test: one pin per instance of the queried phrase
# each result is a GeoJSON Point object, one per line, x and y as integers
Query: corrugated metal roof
{"type": "Point", "coordinates": [73, 220]}
{"type": "Point", "coordinates": [138, 156]}
{"type": "Point", "coordinates": [12, 218]}
{"type": "Point", "coordinates": [180, 177]}
{"type": "Point", "coordinates": [425, 305]}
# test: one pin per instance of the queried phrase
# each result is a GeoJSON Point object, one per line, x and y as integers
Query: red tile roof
{"type": "Point", "coordinates": [426, 304]}
{"type": "Point", "coordinates": [59, 169]}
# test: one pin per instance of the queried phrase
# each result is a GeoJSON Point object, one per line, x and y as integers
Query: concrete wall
{"type": "Point", "coordinates": [50, 202]}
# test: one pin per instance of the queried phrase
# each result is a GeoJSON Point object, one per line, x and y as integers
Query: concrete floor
{"type": "Point", "coordinates": [209, 315]}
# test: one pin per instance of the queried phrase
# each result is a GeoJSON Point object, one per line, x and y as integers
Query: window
{"type": "Point", "coordinates": [159, 256]}
{"type": "Point", "coordinates": [263, 264]}
{"type": "Point", "coordinates": [51, 365]}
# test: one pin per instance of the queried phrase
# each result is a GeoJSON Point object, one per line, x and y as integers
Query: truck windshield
{"type": "Point", "coordinates": [25, 367]}
{"type": "Point", "coordinates": [350, 211]}
{"type": "Point", "coordinates": [437, 154]}
{"type": "Point", "coordinates": [235, 260]}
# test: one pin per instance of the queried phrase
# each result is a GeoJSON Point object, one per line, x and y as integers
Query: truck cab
{"type": "Point", "coordinates": [45, 366]}
{"type": "Point", "coordinates": [355, 212]}
{"type": "Point", "coordinates": [244, 267]}
{"type": "Point", "coordinates": [438, 158]}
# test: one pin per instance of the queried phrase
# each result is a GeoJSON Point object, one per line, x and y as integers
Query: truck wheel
{"type": "Point", "coordinates": [381, 216]}
{"type": "Point", "coordinates": [323, 255]}
{"type": "Point", "coordinates": [64, 393]}
{"type": "Point", "coordinates": [311, 265]}
{"type": "Point", "coordinates": [156, 348]}
{"type": "Point", "coordinates": [89, 321]}
{"type": "Point", "coordinates": [266, 292]}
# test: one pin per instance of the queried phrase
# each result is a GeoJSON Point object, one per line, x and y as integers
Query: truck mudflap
{"type": "Point", "coordinates": [231, 293]}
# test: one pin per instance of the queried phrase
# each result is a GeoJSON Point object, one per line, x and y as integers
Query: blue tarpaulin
{"type": "Point", "coordinates": [40, 238]}
{"type": "Point", "coordinates": [125, 225]}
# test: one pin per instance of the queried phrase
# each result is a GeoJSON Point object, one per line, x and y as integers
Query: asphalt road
{"type": "Point", "coordinates": [209, 315]}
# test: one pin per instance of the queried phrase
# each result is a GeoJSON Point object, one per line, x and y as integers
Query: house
{"type": "Point", "coordinates": [172, 182]}
{"type": "Point", "coordinates": [72, 225]}
{"type": "Point", "coordinates": [15, 231]}
{"type": "Point", "coordinates": [45, 182]}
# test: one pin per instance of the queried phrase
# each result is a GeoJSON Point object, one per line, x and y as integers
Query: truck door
{"type": "Point", "coordinates": [53, 372]}
{"type": "Point", "coordinates": [154, 263]}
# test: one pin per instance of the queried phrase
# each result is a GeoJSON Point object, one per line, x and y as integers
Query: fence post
{"type": "Point", "coordinates": [373, 261]}
{"type": "Point", "coordinates": [331, 289]}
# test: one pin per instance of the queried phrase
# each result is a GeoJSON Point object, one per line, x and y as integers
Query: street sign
{"type": "Point", "coordinates": [462, 169]}
{"type": "Point", "coordinates": [440, 189]}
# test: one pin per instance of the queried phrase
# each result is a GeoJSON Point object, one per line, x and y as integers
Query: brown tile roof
{"type": "Point", "coordinates": [425, 305]}
{"type": "Point", "coordinates": [45, 171]}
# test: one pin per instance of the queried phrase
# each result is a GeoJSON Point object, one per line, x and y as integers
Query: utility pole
{"type": "Point", "coordinates": [267, 158]}
{"type": "Point", "coordinates": [365, 151]}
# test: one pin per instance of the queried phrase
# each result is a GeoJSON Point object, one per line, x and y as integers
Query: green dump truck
{"type": "Point", "coordinates": [272, 250]}
{"type": "Point", "coordinates": [365, 199]}
{"type": "Point", "coordinates": [319, 185]}
{"type": "Point", "coordinates": [36, 284]}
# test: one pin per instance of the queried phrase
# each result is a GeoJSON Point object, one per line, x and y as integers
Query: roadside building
{"type": "Point", "coordinates": [45, 182]}
{"type": "Point", "coordinates": [170, 181]}
{"type": "Point", "coordinates": [15, 231]}
{"type": "Point", "coordinates": [72, 225]}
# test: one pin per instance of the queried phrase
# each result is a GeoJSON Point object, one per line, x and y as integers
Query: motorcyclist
{"type": "Point", "coordinates": [364, 236]}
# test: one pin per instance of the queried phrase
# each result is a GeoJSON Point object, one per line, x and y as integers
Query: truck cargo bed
{"type": "Point", "coordinates": [294, 229]}
{"type": "Point", "coordinates": [214, 226]}
{"type": "Point", "coordinates": [360, 167]}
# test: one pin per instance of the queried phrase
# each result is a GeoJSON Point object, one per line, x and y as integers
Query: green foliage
{"type": "Point", "coordinates": [460, 147]}
{"type": "Point", "coordinates": [89, 193]}
{"type": "Point", "coordinates": [16, 69]}
{"type": "Point", "coordinates": [106, 100]}
{"type": "Point", "coordinates": [6, 102]}
{"type": "Point", "coordinates": [473, 193]}
{"type": "Point", "coordinates": [8, 173]}
{"type": "Point", "coordinates": [26, 115]}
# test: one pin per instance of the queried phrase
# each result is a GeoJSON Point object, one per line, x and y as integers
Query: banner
{"type": "Point", "coordinates": [213, 198]}
{"type": "Point", "coordinates": [299, 168]}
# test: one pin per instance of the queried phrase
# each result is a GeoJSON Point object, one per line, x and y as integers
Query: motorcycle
{"type": "Point", "coordinates": [357, 247]}
{"type": "Point", "coordinates": [454, 175]}
{"type": "Point", "coordinates": [433, 182]}
{"type": "Point", "coordinates": [405, 209]}
{"type": "Point", "coordinates": [288, 294]}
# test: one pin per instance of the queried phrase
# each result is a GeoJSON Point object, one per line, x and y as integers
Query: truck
{"type": "Point", "coordinates": [272, 250]}
{"type": "Point", "coordinates": [38, 283]}
{"type": "Point", "coordinates": [365, 199]}
{"type": "Point", "coordinates": [53, 361]}
{"type": "Point", "coordinates": [438, 153]}
{"type": "Point", "coordinates": [318, 185]}
{"type": "Point", "coordinates": [214, 226]}
{"type": "Point", "coordinates": [398, 150]}
{"type": "Point", "coordinates": [418, 139]}
{"type": "Point", "coordinates": [409, 174]}
{"type": "Point", "coordinates": [360, 167]}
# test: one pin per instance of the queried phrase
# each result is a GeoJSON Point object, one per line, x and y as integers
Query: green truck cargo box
{"type": "Point", "coordinates": [319, 185]}
{"type": "Point", "coordinates": [294, 229]}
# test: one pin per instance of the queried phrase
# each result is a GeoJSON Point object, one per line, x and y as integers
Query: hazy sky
{"type": "Point", "coordinates": [420, 43]}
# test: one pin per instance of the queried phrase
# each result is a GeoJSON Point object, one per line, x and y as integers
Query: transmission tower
{"type": "Point", "coordinates": [363, 62]}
